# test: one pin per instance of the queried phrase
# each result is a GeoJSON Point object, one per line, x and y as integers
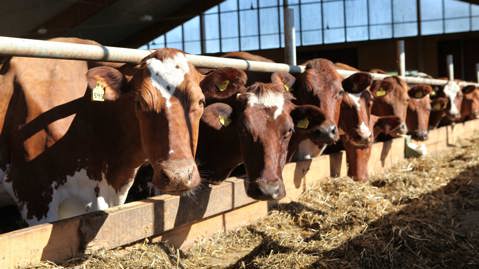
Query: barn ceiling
{"type": "Point", "coordinates": [110, 22]}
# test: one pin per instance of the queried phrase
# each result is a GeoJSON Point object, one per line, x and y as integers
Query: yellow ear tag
{"type": "Point", "coordinates": [303, 124]}
{"type": "Point", "coordinates": [98, 93]}
{"type": "Point", "coordinates": [418, 95]}
{"type": "Point", "coordinates": [433, 93]}
{"type": "Point", "coordinates": [225, 121]}
{"type": "Point", "coordinates": [286, 88]}
{"type": "Point", "coordinates": [222, 85]}
{"type": "Point", "coordinates": [380, 92]}
{"type": "Point", "coordinates": [436, 107]}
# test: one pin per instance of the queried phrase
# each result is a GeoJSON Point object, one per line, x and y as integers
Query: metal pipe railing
{"type": "Point", "coordinates": [63, 50]}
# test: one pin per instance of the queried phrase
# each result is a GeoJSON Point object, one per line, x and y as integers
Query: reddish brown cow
{"type": "Point", "coordinates": [68, 154]}
{"type": "Point", "coordinates": [418, 111]}
{"type": "Point", "coordinates": [391, 98]}
{"type": "Point", "coordinates": [358, 126]}
{"type": "Point", "coordinates": [319, 85]}
{"type": "Point", "coordinates": [470, 103]}
{"type": "Point", "coordinates": [256, 131]}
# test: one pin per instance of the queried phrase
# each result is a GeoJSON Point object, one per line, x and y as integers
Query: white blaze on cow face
{"type": "Point", "coordinates": [356, 97]}
{"type": "Point", "coordinates": [268, 99]}
{"type": "Point", "coordinates": [168, 74]}
{"type": "Point", "coordinates": [451, 89]}
{"type": "Point", "coordinates": [363, 128]}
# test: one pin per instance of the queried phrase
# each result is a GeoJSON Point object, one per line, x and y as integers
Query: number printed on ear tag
{"type": "Point", "coordinates": [98, 93]}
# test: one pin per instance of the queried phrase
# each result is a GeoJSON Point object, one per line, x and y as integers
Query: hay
{"type": "Point", "coordinates": [423, 213]}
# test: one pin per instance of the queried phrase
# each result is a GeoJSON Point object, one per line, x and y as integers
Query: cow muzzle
{"type": "Point", "coordinates": [419, 135]}
{"type": "Point", "coordinates": [176, 176]}
{"type": "Point", "coordinates": [264, 189]}
{"type": "Point", "coordinates": [402, 130]}
{"type": "Point", "coordinates": [327, 134]}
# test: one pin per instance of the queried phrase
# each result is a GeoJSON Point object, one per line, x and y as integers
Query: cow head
{"type": "Point", "coordinates": [391, 99]}
{"type": "Point", "coordinates": [222, 85]}
{"type": "Point", "coordinates": [168, 103]}
{"type": "Point", "coordinates": [262, 120]}
{"type": "Point", "coordinates": [418, 111]}
{"type": "Point", "coordinates": [320, 85]}
{"type": "Point", "coordinates": [470, 103]}
{"type": "Point", "coordinates": [439, 106]}
{"type": "Point", "coordinates": [356, 110]}
{"type": "Point", "coordinates": [453, 93]}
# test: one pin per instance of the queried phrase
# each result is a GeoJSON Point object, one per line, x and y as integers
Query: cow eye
{"type": "Point", "coordinates": [202, 102]}
{"type": "Point", "coordinates": [288, 133]}
{"type": "Point", "coordinates": [340, 93]}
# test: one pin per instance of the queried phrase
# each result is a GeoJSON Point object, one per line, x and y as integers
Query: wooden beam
{"type": "Point", "coordinates": [181, 220]}
{"type": "Point", "coordinates": [69, 18]}
{"type": "Point", "coordinates": [165, 24]}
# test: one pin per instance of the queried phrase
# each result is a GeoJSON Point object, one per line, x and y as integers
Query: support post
{"type": "Point", "coordinates": [202, 33]}
{"type": "Point", "coordinates": [289, 35]}
{"type": "Point", "coordinates": [477, 72]}
{"type": "Point", "coordinates": [401, 58]}
{"type": "Point", "coordinates": [450, 66]}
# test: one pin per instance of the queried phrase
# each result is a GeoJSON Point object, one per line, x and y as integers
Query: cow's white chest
{"type": "Point", "coordinates": [77, 195]}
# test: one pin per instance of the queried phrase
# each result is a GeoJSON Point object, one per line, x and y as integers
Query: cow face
{"type": "Point", "coordinates": [168, 103]}
{"type": "Point", "coordinates": [419, 110]}
{"type": "Point", "coordinates": [470, 103]}
{"type": "Point", "coordinates": [356, 110]}
{"type": "Point", "coordinates": [439, 107]}
{"type": "Point", "coordinates": [391, 99]}
{"type": "Point", "coordinates": [453, 93]}
{"type": "Point", "coordinates": [265, 128]}
{"type": "Point", "coordinates": [320, 85]}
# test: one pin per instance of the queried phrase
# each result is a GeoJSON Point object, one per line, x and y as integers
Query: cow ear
{"type": "Point", "coordinates": [106, 83]}
{"type": "Point", "coordinates": [306, 116]}
{"type": "Point", "coordinates": [439, 104]}
{"type": "Point", "coordinates": [285, 79]}
{"type": "Point", "coordinates": [468, 89]}
{"type": "Point", "coordinates": [381, 88]}
{"type": "Point", "coordinates": [223, 83]}
{"type": "Point", "coordinates": [386, 124]}
{"type": "Point", "coordinates": [218, 116]}
{"type": "Point", "coordinates": [419, 91]}
{"type": "Point", "coordinates": [357, 82]}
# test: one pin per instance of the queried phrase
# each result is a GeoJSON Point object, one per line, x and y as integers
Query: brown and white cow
{"type": "Point", "coordinates": [255, 130]}
{"type": "Point", "coordinates": [68, 155]}
{"type": "Point", "coordinates": [418, 111]}
{"type": "Point", "coordinates": [358, 126]}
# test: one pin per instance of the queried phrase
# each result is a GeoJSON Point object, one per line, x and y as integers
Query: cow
{"type": "Point", "coordinates": [73, 138]}
{"type": "Point", "coordinates": [254, 130]}
{"type": "Point", "coordinates": [418, 111]}
{"type": "Point", "coordinates": [470, 103]}
{"type": "Point", "coordinates": [319, 85]}
{"type": "Point", "coordinates": [358, 126]}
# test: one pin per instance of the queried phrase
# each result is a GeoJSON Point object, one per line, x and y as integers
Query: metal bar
{"type": "Point", "coordinates": [450, 66]}
{"type": "Point", "coordinates": [202, 33]}
{"type": "Point", "coordinates": [289, 35]}
{"type": "Point", "coordinates": [477, 72]}
{"type": "Point", "coordinates": [220, 35]}
{"type": "Point", "coordinates": [401, 57]}
{"type": "Point", "coordinates": [62, 50]}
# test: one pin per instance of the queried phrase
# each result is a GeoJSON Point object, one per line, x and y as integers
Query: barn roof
{"type": "Point", "coordinates": [110, 22]}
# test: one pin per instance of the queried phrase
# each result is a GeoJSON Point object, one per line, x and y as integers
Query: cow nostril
{"type": "Point", "coordinates": [333, 129]}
